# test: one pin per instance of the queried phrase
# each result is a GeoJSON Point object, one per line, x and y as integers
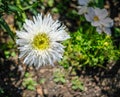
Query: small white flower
{"type": "Point", "coordinates": [101, 29]}
{"type": "Point", "coordinates": [83, 2]}
{"type": "Point", "coordinates": [39, 41]}
{"type": "Point", "coordinates": [98, 17]}
{"type": "Point", "coordinates": [82, 9]}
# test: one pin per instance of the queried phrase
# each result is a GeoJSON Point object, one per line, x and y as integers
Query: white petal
{"type": "Point", "coordinates": [90, 15]}
{"type": "Point", "coordinates": [83, 10]}
{"type": "Point", "coordinates": [83, 2]}
{"type": "Point", "coordinates": [101, 13]}
{"type": "Point", "coordinates": [107, 22]}
{"type": "Point", "coordinates": [96, 23]}
{"type": "Point", "coordinates": [99, 30]}
{"type": "Point", "coordinates": [107, 30]}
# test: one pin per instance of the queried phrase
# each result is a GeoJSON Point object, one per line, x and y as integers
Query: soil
{"type": "Point", "coordinates": [98, 82]}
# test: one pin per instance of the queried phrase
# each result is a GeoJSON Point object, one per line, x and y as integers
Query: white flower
{"type": "Point", "coordinates": [82, 9]}
{"type": "Point", "coordinates": [98, 17]}
{"type": "Point", "coordinates": [83, 2]}
{"type": "Point", "coordinates": [39, 41]}
{"type": "Point", "coordinates": [101, 29]}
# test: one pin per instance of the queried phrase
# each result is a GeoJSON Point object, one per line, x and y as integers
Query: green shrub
{"type": "Point", "coordinates": [88, 48]}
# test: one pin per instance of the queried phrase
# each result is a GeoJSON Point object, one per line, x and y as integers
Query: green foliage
{"type": "Point", "coordinates": [59, 76]}
{"type": "Point", "coordinates": [18, 8]}
{"type": "Point", "coordinates": [42, 80]}
{"type": "Point", "coordinates": [99, 3]}
{"type": "Point", "coordinates": [117, 33]}
{"type": "Point", "coordinates": [88, 48]}
{"type": "Point", "coordinates": [72, 14]}
{"type": "Point", "coordinates": [51, 3]}
{"type": "Point", "coordinates": [9, 54]}
{"type": "Point", "coordinates": [5, 26]}
{"type": "Point", "coordinates": [116, 37]}
{"type": "Point", "coordinates": [28, 82]}
{"type": "Point", "coordinates": [6, 48]}
{"type": "Point", "coordinates": [96, 3]}
{"type": "Point", "coordinates": [1, 91]}
{"type": "Point", "coordinates": [77, 84]}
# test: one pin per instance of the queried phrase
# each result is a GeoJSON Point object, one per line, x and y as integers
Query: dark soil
{"type": "Point", "coordinates": [97, 82]}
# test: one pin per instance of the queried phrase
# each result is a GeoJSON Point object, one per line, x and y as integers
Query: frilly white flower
{"type": "Point", "coordinates": [39, 41]}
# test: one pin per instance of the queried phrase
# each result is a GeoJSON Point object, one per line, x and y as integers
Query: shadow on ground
{"type": "Point", "coordinates": [9, 77]}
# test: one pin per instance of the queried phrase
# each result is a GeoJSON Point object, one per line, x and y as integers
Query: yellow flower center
{"type": "Point", "coordinates": [41, 41]}
{"type": "Point", "coordinates": [96, 18]}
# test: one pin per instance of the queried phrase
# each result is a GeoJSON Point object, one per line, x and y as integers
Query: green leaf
{"type": "Point", "coordinates": [50, 3]}
{"type": "Point", "coordinates": [63, 80]}
{"type": "Point", "coordinates": [1, 91]}
{"type": "Point", "coordinates": [7, 52]}
{"type": "Point", "coordinates": [27, 74]}
{"type": "Point", "coordinates": [117, 29]}
{"type": "Point", "coordinates": [14, 8]}
{"type": "Point", "coordinates": [99, 3]}
{"type": "Point", "coordinates": [42, 81]}
{"type": "Point", "coordinates": [81, 87]}
{"type": "Point", "coordinates": [55, 10]}
{"type": "Point", "coordinates": [30, 87]}
{"type": "Point", "coordinates": [7, 28]}
{"type": "Point", "coordinates": [74, 87]}
{"type": "Point", "coordinates": [13, 54]}
{"type": "Point", "coordinates": [56, 80]}
{"type": "Point", "coordinates": [31, 6]}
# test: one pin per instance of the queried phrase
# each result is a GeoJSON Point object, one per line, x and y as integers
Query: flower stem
{"type": "Point", "coordinates": [18, 3]}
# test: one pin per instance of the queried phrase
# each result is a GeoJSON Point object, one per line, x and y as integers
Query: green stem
{"type": "Point", "coordinates": [18, 3]}
{"type": "Point", "coordinates": [102, 66]}
{"type": "Point", "coordinates": [27, 7]}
